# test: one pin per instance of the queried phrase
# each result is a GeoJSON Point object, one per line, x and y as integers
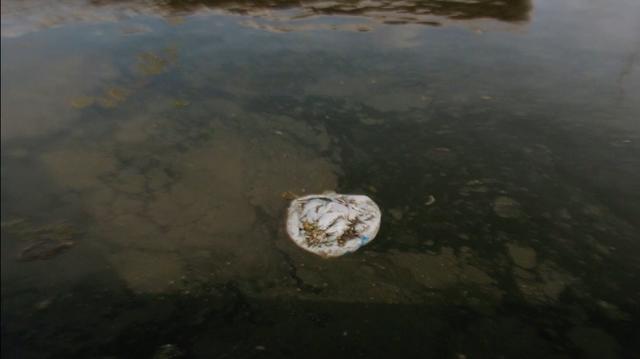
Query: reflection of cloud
{"type": "Point", "coordinates": [287, 27]}
{"type": "Point", "coordinates": [41, 97]}
{"type": "Point", "coordinates": [20, 17]}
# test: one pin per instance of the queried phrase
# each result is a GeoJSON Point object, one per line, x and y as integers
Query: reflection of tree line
{"type": "Point", "coordinates": [408, 11]}
{"type": "Point", "coordinates": [20, 17]}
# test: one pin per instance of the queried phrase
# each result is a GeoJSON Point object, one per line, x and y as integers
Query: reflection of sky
{"type": "Point", "coordinates": [570, 55]}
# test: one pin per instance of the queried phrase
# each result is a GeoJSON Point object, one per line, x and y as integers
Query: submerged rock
{"type": "Point", "coordinates": [44, 248]}
{"type": "Point", "coordinates": [42, 241]}
{"type": "Point", "coordinates": [507, 207]}
{"type": "Point", "coordinates": [524, 257]}
{"type": "Point", "coordinates": [612, 311]}
{"type": "Point", "coordinates": [168, 351]}
{"type": "Point", "coordinates": [396, 213]}
{"type": "Point", "coordinates": [594, 343]}
{"type": "Point", "coordinates": [545, 285]}
{"type": "Point", "coordinates": [446, 270]}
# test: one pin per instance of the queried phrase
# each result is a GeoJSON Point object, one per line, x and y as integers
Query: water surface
{"type": "Point", "coordinates": [149, 148]}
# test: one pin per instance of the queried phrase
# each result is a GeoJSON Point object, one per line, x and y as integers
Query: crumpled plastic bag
{"type": "Point", "coordinates": [332, 224]}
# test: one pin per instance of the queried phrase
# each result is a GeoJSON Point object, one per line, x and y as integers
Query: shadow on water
{"type": "Point", "coordinates": [221, 321]}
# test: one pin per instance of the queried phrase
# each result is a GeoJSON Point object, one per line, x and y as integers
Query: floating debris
{"type": "Point", "coordinates": [331, 224]}
{"type": "Point", "coordinates": [430, 200]}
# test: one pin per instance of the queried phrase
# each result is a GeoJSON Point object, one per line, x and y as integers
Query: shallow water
{"type": "Point", "coordinates": [149, 148]}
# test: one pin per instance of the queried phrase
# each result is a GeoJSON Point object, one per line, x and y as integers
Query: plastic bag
{"type": "Point", "coordinates": [332, 224]}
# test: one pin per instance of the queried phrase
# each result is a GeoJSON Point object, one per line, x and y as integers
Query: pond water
{"type": "Point", "coordinates": [150, 149]}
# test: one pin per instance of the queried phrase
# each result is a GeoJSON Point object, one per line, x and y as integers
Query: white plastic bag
{"type": "Point", "coordinates": [332, 224]}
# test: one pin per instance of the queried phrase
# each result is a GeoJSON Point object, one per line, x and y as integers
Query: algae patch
{"type": "Point", "coordinates": [156, 63]}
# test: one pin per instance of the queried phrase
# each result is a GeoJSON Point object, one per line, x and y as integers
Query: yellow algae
{"type": "Point", "coordinates": [116, 93]}
{"type": "Point", "coordinates": [150, 64]}
{"type": "Point", "coordinates": [179, 103]}
{"type": "Point", "coordinates": [81, 102]}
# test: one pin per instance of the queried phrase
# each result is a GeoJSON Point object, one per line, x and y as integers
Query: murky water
{"type": "Point", "coordinates": [149, 148]}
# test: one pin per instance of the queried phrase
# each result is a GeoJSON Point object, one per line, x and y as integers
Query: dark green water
{"type": "Point", "coordinates": [148, 147]}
